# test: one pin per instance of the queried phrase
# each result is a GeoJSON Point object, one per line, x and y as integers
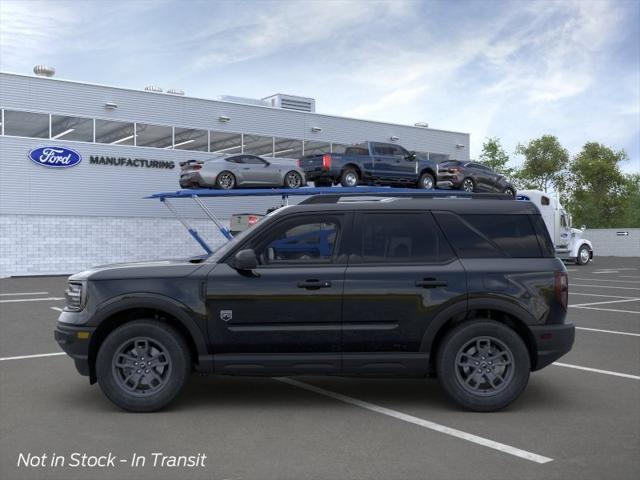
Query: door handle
{"type": "Point", "coordinates": [314, 284]}
{"type": "Point", "coordinates": [431, 283]}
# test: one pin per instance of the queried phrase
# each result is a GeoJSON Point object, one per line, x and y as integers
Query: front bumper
{"type": "Point", "coordinates": [74, 340]}
{"type": "Point", "coordinates": [552, 342]}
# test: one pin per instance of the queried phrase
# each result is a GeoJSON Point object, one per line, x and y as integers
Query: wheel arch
{"type": "Point", "coordinates": [499, 310]}
{"type": "Point", "coordinates": [123, 310]}
{"type": "Point", "coordinates": [430, 171]}
{"type": "Point", "coordinates": [353, 166]}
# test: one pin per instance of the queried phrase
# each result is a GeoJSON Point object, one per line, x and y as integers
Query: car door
{"type": "Point", "coordinates": [401, 274]}
{"type": "Point", "coordinates": [404, 166]}
{"type": "Point", "coordinates": [290, 306]}
{"type": "Point", "coordinates": [383, 161]}
{"type": "Point", "coordinates": [257, 171]}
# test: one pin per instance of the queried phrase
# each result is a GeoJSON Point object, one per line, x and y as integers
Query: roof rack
{"type": "Point", "coordinates": [412, 194]}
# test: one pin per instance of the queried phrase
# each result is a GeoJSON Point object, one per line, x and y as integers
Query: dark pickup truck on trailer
{"type": "Point", "coordinates": [370, 163]}
{"type": "Point", "coordinates": [466, 288]}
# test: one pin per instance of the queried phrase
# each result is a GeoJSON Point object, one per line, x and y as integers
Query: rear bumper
{"type": "Point", "coordinates": [188, 180]}
{"type": "Point", "coordinates": [552, 342]}
{"type": "Point", "coordinates": [449, 181]}
{"type": "Point", "coordinates": [74, 340]}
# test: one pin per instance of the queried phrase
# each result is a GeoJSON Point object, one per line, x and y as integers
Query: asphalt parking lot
{"type": "Point", "coordinates": [579, 418]}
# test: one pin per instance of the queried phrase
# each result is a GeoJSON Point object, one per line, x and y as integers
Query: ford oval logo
{"type": "Point", "coordinates": [55, 157]}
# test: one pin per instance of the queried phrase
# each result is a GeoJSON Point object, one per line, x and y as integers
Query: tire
{"type": "Point", "coordinates": [460, 346]}
{"type": "Point", "coordinates": [293, 180]}
{"type": "Point", "coordinates": [349, 178]}
{"type": "Point", "coordinates": [468, 185]}
{"type": "Point", "coordinates": [426, 182]}
{"type": "Point", "coordinates": [125, 348]}
{"type": "Point", "coordinates": [509, 191]}
{"type": "Point", "coordinates": [225, 180]}
{"type": "Point", "coordinates": [584, 255]}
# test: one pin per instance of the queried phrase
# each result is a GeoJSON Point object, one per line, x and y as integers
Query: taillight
{"type": "Point", "coordinates": [326, 161]}
{"type": "Point", "coordinates": [299, 162]}
{"type": "Point", "coordinates": [562, 289]}
{"type": "Point", "coordinates": [454, 170]}
{"type": "Point", "coordinates": [252, 220]}
{"type": "Point", "coordinates": [196, 167]}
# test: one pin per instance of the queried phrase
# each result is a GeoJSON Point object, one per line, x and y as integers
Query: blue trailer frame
{"type": "Point", "coordinates": [284, 193]}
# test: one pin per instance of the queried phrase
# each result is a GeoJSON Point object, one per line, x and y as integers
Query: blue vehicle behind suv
{"type": "Point", "coordinates": [371, 163]}
{"type": "Point", "coordinates": [466, 288]}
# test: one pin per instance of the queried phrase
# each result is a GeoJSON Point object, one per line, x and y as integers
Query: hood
{"type": "Point", "coordinates": [172, 268]}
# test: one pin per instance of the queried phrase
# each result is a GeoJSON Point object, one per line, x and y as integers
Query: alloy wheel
{"type": "Point", "coordinates": [141, 366]}
{"type": "Point", "coordinates": [484, 366]}
{"type": "Point", "coordinates": [226, 181]}
{"type": "Point", "coordinates": [293, 180]}
{"type": "Point", "coordinates": [351, 179]}
{"type": "Point", "coordinates": [467, 185]}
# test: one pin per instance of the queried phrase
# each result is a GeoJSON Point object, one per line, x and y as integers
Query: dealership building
{"type": "Point", "coordinates": [127, 144]}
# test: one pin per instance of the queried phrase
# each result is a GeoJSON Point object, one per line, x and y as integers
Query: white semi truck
{"type": "Point", "coordinates": [569, 242]}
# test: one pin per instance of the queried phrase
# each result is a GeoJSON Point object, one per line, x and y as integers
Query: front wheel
{"type": "Point", "coordinates": [142, 365]}
{"type": "Point", "coordinates": [483, 365]}
{"type": "Point", "coordinates": [293, 180]}
{"type": "Point", "coordinates": [426, 181]}
{"type": "Point", "coordinates": [509, 191]}
{"type": "Point", "coordinates": [584, 255]}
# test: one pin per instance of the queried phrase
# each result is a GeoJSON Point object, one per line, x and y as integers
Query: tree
{"type": "Point", "coordinates": [631, 211]}
{"type": "Point", "coordinates": [545, 163]}
{"type": "Point", "coordinates": [495, 157]}
{"type": "Point", "coordinates": [598, 190]}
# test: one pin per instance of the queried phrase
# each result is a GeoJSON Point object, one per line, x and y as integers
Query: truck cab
{"type": "Point", "coordinates": [569, 242]}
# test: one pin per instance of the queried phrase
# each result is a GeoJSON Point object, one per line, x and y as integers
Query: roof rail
{"type": "Point", "coordinates": [380, 196]}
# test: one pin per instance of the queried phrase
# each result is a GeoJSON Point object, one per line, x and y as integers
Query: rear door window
{"type": "Point", "coordinates": [399, 237]}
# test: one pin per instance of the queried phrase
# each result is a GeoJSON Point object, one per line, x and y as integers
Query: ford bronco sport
{"type": "Point", "coordinates": [464, 288]}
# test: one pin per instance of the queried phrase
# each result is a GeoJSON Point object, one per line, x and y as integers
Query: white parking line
{"type": "Point", "coordinates": [22, 293]}
{"type": "Point", "coordinates": [608, 331]}
{"type": "Point", "coordinates": [22, 357]}
{"type": "Point", "coordinates": [609, 310]}
{"type": "Point", "coordinates": [485, 442]}
{"type": "Point", "coordinates": [628, 276]}
{"type": "Point", "coordinates": [57, 309]}
{"type": "Point", "coordinates": [604, 286]}
{"type": "Point", "coordinates": [596, 370]}
{"type": "Point", "coordinates": [15, 300]}
{"type": "Point", "coordinates": [602, 303]}
{"type": "Point", "coordinates": [596, 295]}
{"type": "Point", "coordinates": [606, 271]}
{"type": "Point", "coordinates": [607, 280]}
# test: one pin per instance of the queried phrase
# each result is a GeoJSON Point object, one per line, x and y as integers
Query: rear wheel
{"type": "Point", "coordinates": [468, 185]}
{"type": "Point", "coordinates": [509, 191]}
{"type": "Point", "coordinates": [293, 179]}
{"type": "Point", "coordinates": [584, 255]}
{"type": "Point", "coordinates": [483, 365]}
{"type": "Point", "coordinates": [426, 181]}
{"type": "Point", "coordinates": [349, 178]}
{"type": "Point", "coordinates": [225, 180]}
{"type": "Point", "coordinates": [143, 365]}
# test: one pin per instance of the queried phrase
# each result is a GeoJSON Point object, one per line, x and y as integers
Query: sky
{"type": "Point", "coordinates": [509, 69]}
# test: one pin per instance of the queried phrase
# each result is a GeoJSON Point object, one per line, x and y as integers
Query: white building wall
{"type": "Point", "coordinates": [607, 242]}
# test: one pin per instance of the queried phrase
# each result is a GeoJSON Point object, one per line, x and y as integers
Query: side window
{"type": "Point", "coordinates": [382, 149]}
{"type": "Point", "coordinates": [252, 160]}
{"type": "Point", "coordinates": [513, 234]}
{"type": "Point", "coordinates": [400, 237]}
{"type": "Point", "coordinates": [544, 240]}
{"type": "Point", "coordinates": [467, 241]}
{"type": "Point", "coordinates": [238, 159]}
{"type": "Point", "coordinates": [544, 200]}
{"type": "Point", "coordinates": [397, 151]}
{"type": "Point", "coordinates": [300, 241]}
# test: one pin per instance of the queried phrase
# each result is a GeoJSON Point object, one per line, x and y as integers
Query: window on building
{"type": "Point", "coordinates": [191, 139]}
{"type": "Point", "coordinates": [226, 143]}
{"type": "Point", "coordinates": [113, 132]}
{"type": "Point", "coordinates": [71, 128]}
{"type": "Point", "coordinates": [401, 238]}
{"type": "Point", "coordinates": [26, 124]}
{"type": "Point", "coordinates": [438, 157]}
{"type": "Point", "coordinates": [287, 148]}
{"type": "Point", "coordinates": [157, 136]}
{"type": "Point", "coordinates": [316, 148]}
{"type": "Point", "coordinates": [258, 145]}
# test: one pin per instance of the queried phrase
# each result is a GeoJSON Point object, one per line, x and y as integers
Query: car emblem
{"type": "Point", "coordinates": [226, 315]}
{"type": "Point", "coordinates": [55, 157]}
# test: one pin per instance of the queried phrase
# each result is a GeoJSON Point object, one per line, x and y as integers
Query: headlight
{"type": "Point", "coordinates": [75, 296]}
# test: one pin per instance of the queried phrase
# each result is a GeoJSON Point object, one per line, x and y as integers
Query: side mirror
{"type": "Point", "coordinates": [583, 227]}
{"type": "Point", "coordinates": [412, 156]}
{"type": "Point", "coordinates": [245, 260]}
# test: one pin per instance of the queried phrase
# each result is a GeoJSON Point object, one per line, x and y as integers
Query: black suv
{"type": "Point", "coordinates": [463, 288]}
{"type": "Point", "coordinates": [473, 177]}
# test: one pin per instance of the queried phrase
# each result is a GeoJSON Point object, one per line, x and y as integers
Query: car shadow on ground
{"type": "Point", "coordinates": [236, 393]}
